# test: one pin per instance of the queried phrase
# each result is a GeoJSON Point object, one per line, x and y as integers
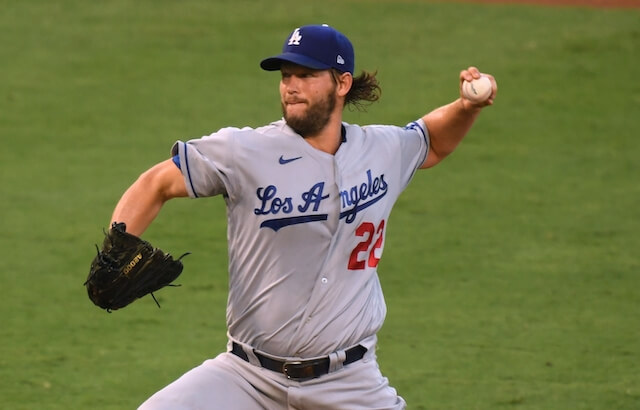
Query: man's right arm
{"type": "Point", "coordinates": [142, 201]}
{"type": "Point", "coordinates": [449, 124]}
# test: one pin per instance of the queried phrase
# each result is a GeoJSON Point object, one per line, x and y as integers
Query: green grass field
{"type": "Point", "coordinates": [511, 270]}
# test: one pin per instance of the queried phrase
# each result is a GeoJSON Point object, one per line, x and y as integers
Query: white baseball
{"type": "Point", "coordinates": [477, 90]}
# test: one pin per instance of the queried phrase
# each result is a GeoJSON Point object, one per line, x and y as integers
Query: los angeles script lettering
{"type": "Point", "coordinates": [354, 199]}
{"type": "Point", "coordinates": [272, 204]}
{"type": "Point", "coordinates": [364, 191]}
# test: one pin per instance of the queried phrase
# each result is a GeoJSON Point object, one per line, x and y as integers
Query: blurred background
{"type": "Point", "coordinates": [511, 270]}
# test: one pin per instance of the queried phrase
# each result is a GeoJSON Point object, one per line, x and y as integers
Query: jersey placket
{"type": "Point", "coordinates": [325, 278]}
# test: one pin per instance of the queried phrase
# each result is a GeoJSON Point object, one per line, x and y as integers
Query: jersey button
{"type": "Point", "coordinates": [324, 280]}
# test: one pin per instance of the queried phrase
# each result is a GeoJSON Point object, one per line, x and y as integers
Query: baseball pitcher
{"type": "Point", "coordinates": [308, 202]}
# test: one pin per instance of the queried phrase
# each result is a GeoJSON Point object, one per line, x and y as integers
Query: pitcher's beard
{"type": "Point", "coordinates": [312, 121]}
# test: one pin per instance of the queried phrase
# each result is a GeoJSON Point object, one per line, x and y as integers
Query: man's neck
{"type": "Point", "coordinates": [329, 138]}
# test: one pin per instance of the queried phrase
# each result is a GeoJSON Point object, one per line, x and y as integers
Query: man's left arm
{"type": "Point", "coordinates": [447, 125]}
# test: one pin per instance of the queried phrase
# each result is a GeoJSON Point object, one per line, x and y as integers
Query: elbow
{"type": "Point", "coordinates": [434, 157]}
{"type": "Point", "coordinates": [161, 182]}
{"type": "Point", "coordinates": [149, 184]}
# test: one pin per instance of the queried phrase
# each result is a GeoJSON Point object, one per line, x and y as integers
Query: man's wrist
{"type": "Point", "coordinates": [468, 107]}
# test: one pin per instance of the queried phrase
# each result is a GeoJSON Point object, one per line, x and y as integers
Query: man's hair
{"type": "Point", "coordinates": [364, 91]}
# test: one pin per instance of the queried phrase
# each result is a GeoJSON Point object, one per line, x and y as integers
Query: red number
{"type": "Point", "coordinates": [362, 230]}
{"type": "Point", "coordinates": [366, 229]}
{"type": "Point", "coordinates": [373, 259]}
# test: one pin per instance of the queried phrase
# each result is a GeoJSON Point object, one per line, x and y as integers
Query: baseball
{"type": "Point", "coordinates": [477, 90]}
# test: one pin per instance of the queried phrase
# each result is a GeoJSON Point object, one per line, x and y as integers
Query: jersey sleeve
{"type": "Point", "coordinates": [206, 163]}
{"type": "Point", "coordinates": [414, 148]}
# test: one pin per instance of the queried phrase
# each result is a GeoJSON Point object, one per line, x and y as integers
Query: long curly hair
{"type": "Point", "coordinates": [364, 91]}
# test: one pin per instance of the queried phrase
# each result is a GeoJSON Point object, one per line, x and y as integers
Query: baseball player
{"type": "Point", "coordinates": [308, 202]}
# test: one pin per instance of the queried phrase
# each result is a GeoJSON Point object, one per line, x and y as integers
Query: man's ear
{"type": "Point", "coordinates": [345, 81]}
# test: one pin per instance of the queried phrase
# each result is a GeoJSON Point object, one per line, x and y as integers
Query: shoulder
{"type": "Point", "coordinates": [386, 132]}
{"type": "Point", "coordinates": [274, 129]}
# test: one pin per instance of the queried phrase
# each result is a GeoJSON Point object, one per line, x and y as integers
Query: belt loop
{"type": "Point", "coordinates": [336, 360]}
{"type": "Point", "coordinates": [251, 357]}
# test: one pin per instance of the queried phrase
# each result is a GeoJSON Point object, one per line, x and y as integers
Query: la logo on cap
{"type": "Point", "coordinates": [295, 38]}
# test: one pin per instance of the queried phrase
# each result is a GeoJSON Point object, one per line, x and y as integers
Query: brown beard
{"type": "Point", "coordinates": [314, 119]}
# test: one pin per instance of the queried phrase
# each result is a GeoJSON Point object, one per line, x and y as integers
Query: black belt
{"type": "Point", "coordinates": [300, 369]}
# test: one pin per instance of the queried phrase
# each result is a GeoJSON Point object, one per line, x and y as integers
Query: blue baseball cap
{"type": "Point", "coordinates": [315, 46]}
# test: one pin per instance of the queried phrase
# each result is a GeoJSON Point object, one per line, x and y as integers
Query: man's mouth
{"type": "Point", "coordinates": [294, 102]}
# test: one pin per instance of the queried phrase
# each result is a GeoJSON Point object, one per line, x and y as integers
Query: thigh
{"type": "Point", "coordinates": [359, 385]}
{"type": "Point", "coordinates": [220, 383]}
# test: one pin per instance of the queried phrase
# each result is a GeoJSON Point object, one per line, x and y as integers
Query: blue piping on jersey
{"type": "Point", "coordinates": [351, 213]}
{"type": "Point", "coordinates": [414, 125]}
{"type": "Point", "coordinates": [276, 224]}
{"type": "Point", "coordinates": [176, 160]}
{"type": "Point", "coordinates": [186, 162]}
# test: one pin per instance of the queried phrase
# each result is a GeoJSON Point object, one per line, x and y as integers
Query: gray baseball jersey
{"type": "Point", "coordinates": [306, 229]}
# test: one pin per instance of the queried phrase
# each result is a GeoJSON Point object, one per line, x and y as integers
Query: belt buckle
{"type": "Point", "coordinates": [305, 371]}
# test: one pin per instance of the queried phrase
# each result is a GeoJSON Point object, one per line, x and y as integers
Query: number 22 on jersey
{"type": "Point", "coordinates": [364, 254]}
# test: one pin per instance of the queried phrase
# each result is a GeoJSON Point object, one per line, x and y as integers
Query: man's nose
{"type": "Point", "coordinates": [291, 84]}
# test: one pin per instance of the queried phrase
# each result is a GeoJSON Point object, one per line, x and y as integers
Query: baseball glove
{"type": "Point", "coordinates": [128, 268]}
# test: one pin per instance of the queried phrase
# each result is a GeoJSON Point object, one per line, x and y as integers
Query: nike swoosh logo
{"type": "Point", "coordinates": [283, 161]}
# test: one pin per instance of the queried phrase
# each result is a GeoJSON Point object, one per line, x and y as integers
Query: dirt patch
{"type": "Point", "coordinates": [582, 3]}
